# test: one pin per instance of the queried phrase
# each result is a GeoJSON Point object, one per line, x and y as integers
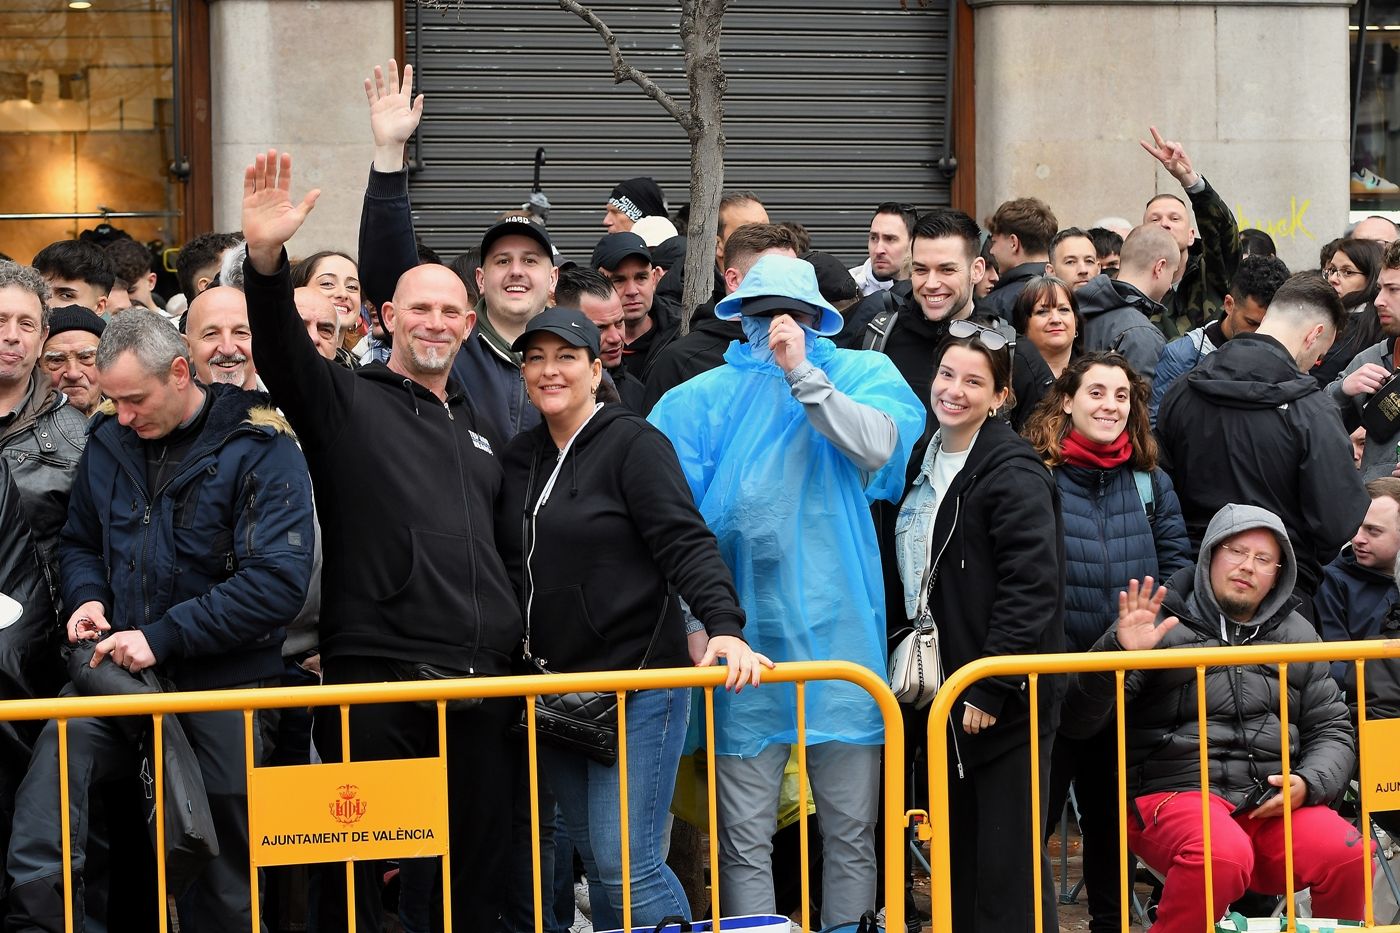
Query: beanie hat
{"type": "Point", "coordinates": [638, 198]}
{"type": "Point", "coordinates": [74, 317]}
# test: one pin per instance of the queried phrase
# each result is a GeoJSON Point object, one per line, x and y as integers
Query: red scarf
{"type": "Point", "coordinates": [1080, 451]}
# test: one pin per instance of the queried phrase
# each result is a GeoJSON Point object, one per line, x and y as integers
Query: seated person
{"type": "Point", "coordinates": [1240, 592]}
{"type": "Point", "coordinates": [1358, 588]}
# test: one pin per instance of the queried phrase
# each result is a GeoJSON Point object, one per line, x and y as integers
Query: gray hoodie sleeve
{"type": "Point", "coordinates": [1142, 346]}
{"type": "Point", "coordinates": [866, 435]}
{"type": "Point", "coordinates": [1351, 406]}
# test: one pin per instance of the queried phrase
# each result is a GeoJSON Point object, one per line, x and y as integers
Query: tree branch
{"type": "Point", "coordinates": [622, 71]}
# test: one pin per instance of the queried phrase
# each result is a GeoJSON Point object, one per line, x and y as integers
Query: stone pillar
{"type": "Point", "coordinates": [288, 74]}
{"type": "Point", "coordinates": [1256, 92]}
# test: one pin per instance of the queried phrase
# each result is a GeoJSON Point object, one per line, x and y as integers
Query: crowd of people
{"type": "Point", "coordinates": [371, 465]}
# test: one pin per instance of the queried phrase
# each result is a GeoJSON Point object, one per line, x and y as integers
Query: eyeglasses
{"type": "Point", "coordinates": [988, 337]}
{"type": "Point", "coordinates": [1263, 564]}
{"type": "Point", "coordinates": [1344, 273]}
{"type": "Point", "coordinates": [56, 360]}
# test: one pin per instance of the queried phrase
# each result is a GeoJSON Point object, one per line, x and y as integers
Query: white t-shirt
{"type": "Point", "coordinates": [945, 469]}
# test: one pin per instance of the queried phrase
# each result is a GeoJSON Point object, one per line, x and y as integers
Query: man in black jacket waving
{"type": "Point", "coordinates": [406, 482]}
{"type": "Point", "coordinates": [1240, 592]}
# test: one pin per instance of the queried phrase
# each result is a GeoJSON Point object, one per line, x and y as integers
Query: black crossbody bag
{"type": "Point", "coordinates": [584, 721]}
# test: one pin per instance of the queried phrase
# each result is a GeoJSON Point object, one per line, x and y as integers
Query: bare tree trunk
{"type": "Point", "coordinates": [703, 121]}
{"type": "Point", "coordinates": [701, 24]}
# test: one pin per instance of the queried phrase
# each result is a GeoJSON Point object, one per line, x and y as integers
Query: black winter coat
{"type": "Point", "coordinates": [1246, 427]}
{"type": "Point", "coordinates": [999, 582]}
{"type": "Point", "coordinates": [618, 526]}
{"type": "Point", "coordinates": [686, 357]}
{"type": "Point", "coordinates": [1242, 710]}
{"type": "Point", "coordinates": [1382, 677]}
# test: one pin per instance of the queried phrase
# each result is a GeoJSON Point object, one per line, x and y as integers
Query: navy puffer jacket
{"type": "Point", "coordinates": [1108, 542]}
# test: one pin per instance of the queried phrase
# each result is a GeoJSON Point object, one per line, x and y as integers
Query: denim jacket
{"type": "Point", "coordinates": [913, 527]}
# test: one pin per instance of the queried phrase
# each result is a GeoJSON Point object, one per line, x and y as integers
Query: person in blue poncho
{"type": "Point", "coordinates": [785, 448]}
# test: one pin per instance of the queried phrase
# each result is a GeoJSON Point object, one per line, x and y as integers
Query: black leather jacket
{"type": "Point", "coordinates": [42, 445]}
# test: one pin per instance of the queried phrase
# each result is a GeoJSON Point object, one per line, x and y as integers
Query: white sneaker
{"type": "Point", "coordinates": [1368, 182]}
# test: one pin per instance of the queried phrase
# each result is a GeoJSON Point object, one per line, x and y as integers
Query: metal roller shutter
{"type": "Point", "coordinates": [831, 108]}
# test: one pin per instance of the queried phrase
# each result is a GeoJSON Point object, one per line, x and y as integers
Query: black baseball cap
{"type": "Point", "coordinates": [615, 247]}
{"type": "Point", "coordinates": [569, 324]}
{"type": "Point", "coordinates": [516, 226]}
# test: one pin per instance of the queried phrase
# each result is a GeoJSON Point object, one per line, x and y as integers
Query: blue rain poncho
{"type": "Point", "coordinates": [792, 515]}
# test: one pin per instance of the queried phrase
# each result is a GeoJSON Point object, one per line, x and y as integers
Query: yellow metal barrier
{"type": "Point", "coordinates": [528, 687]}
{"type": "Point", "coordinates": [1120, 662]}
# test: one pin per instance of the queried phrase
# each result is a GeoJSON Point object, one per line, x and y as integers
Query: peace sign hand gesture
{"type": "Point", "coordinates": [1173, 158]}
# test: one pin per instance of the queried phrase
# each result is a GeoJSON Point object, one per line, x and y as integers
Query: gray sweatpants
{"type": "Point", "coordinates": [845, 782]}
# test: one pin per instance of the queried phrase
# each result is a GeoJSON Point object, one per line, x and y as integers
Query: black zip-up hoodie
{"type": "Point", "coordinates": [619, 524]}
{"type": "Point", "coordinates": [406, 486]}
{"type": "Point", "coordinates": [999, 581]}
{"type": "Point", "coordinates": [1245, 426]}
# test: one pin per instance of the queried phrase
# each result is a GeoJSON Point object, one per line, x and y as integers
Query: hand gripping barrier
{"type": "Point", "coordinates": [439, 692]}
{"type": "Point", "coordinates": [1034, 667]}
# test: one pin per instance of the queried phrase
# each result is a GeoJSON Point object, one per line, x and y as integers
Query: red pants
{"type": "Point", "coordinates": [1245, 855]}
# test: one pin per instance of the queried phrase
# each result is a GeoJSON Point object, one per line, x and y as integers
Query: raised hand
{"type": "Point", "coordinates": [393, 113]}
{"type": "Point", "coordinates": [787, 341]}
{"type": "Point", "coordinates": [269, 216]}
{"type": "Point", "coordinates": [1137, 616]}
{"type": "Point", "coordinates": [1172, 156]}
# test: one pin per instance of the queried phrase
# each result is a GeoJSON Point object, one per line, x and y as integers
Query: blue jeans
{"type": "Point", "coordinates": [589, 802]}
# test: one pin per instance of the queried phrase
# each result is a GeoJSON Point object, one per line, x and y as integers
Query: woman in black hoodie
{"type": "Point", "coordinates": [595, 523]}
{"type": "Point", "coordinates": [980, 546]}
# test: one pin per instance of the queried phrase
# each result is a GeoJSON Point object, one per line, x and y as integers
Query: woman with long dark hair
{"type": "Point", "coordinates": [979, 547]}
{"type": "Point", "coordinates": [1122, 522]}
{"type": "Point", "coordinates": [1353, 268]}
{"type": "Point", "coordinates": [337, 276]}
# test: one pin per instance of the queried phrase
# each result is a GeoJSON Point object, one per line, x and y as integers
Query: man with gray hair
{"type": "Point", "coordinates": [1118, 313]}
{"type": "Point", "coordinates": [1250, 425]}
{"type": "Point", "coordinates": [41, 434]}
{"type": "Point", "coordinates": [188, 548]}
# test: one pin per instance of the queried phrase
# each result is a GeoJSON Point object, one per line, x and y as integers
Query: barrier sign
{"type": "Point", "coordinates": [338, 812]}
{"type": "Point", "coordinates": [1380, 763]}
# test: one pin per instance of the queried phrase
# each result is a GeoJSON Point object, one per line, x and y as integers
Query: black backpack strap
{"type": "Point", "coordinates": [877, 332]}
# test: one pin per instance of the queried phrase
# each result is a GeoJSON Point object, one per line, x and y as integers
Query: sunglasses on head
{"type": "Point", "coordinates": [987, 336]}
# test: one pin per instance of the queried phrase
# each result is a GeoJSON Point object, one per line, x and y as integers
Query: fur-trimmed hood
{"type": "Point", "coordinates": [258, 415]}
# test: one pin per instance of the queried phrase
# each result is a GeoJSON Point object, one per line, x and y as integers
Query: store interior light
{"type": "Point", "coordinates": [79, 4]}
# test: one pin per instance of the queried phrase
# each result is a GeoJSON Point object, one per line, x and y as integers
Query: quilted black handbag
{"type": "Point", "coordinates": [584, 721]}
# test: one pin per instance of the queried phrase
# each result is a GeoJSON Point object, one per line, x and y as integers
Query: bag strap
{"type": "Point", "coordinates": [1147, 493]}
{"type": "Point", "coordinates": [656, 632]}
{"type": "Point", "coordinates": [877, 332]}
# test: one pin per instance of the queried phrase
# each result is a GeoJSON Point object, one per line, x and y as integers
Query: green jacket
{"type": "Point", "coordinates": [1210, 265]}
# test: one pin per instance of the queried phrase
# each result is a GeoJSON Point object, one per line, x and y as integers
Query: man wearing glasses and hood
{"type": "Point", "coordinates": [1239, 593]}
